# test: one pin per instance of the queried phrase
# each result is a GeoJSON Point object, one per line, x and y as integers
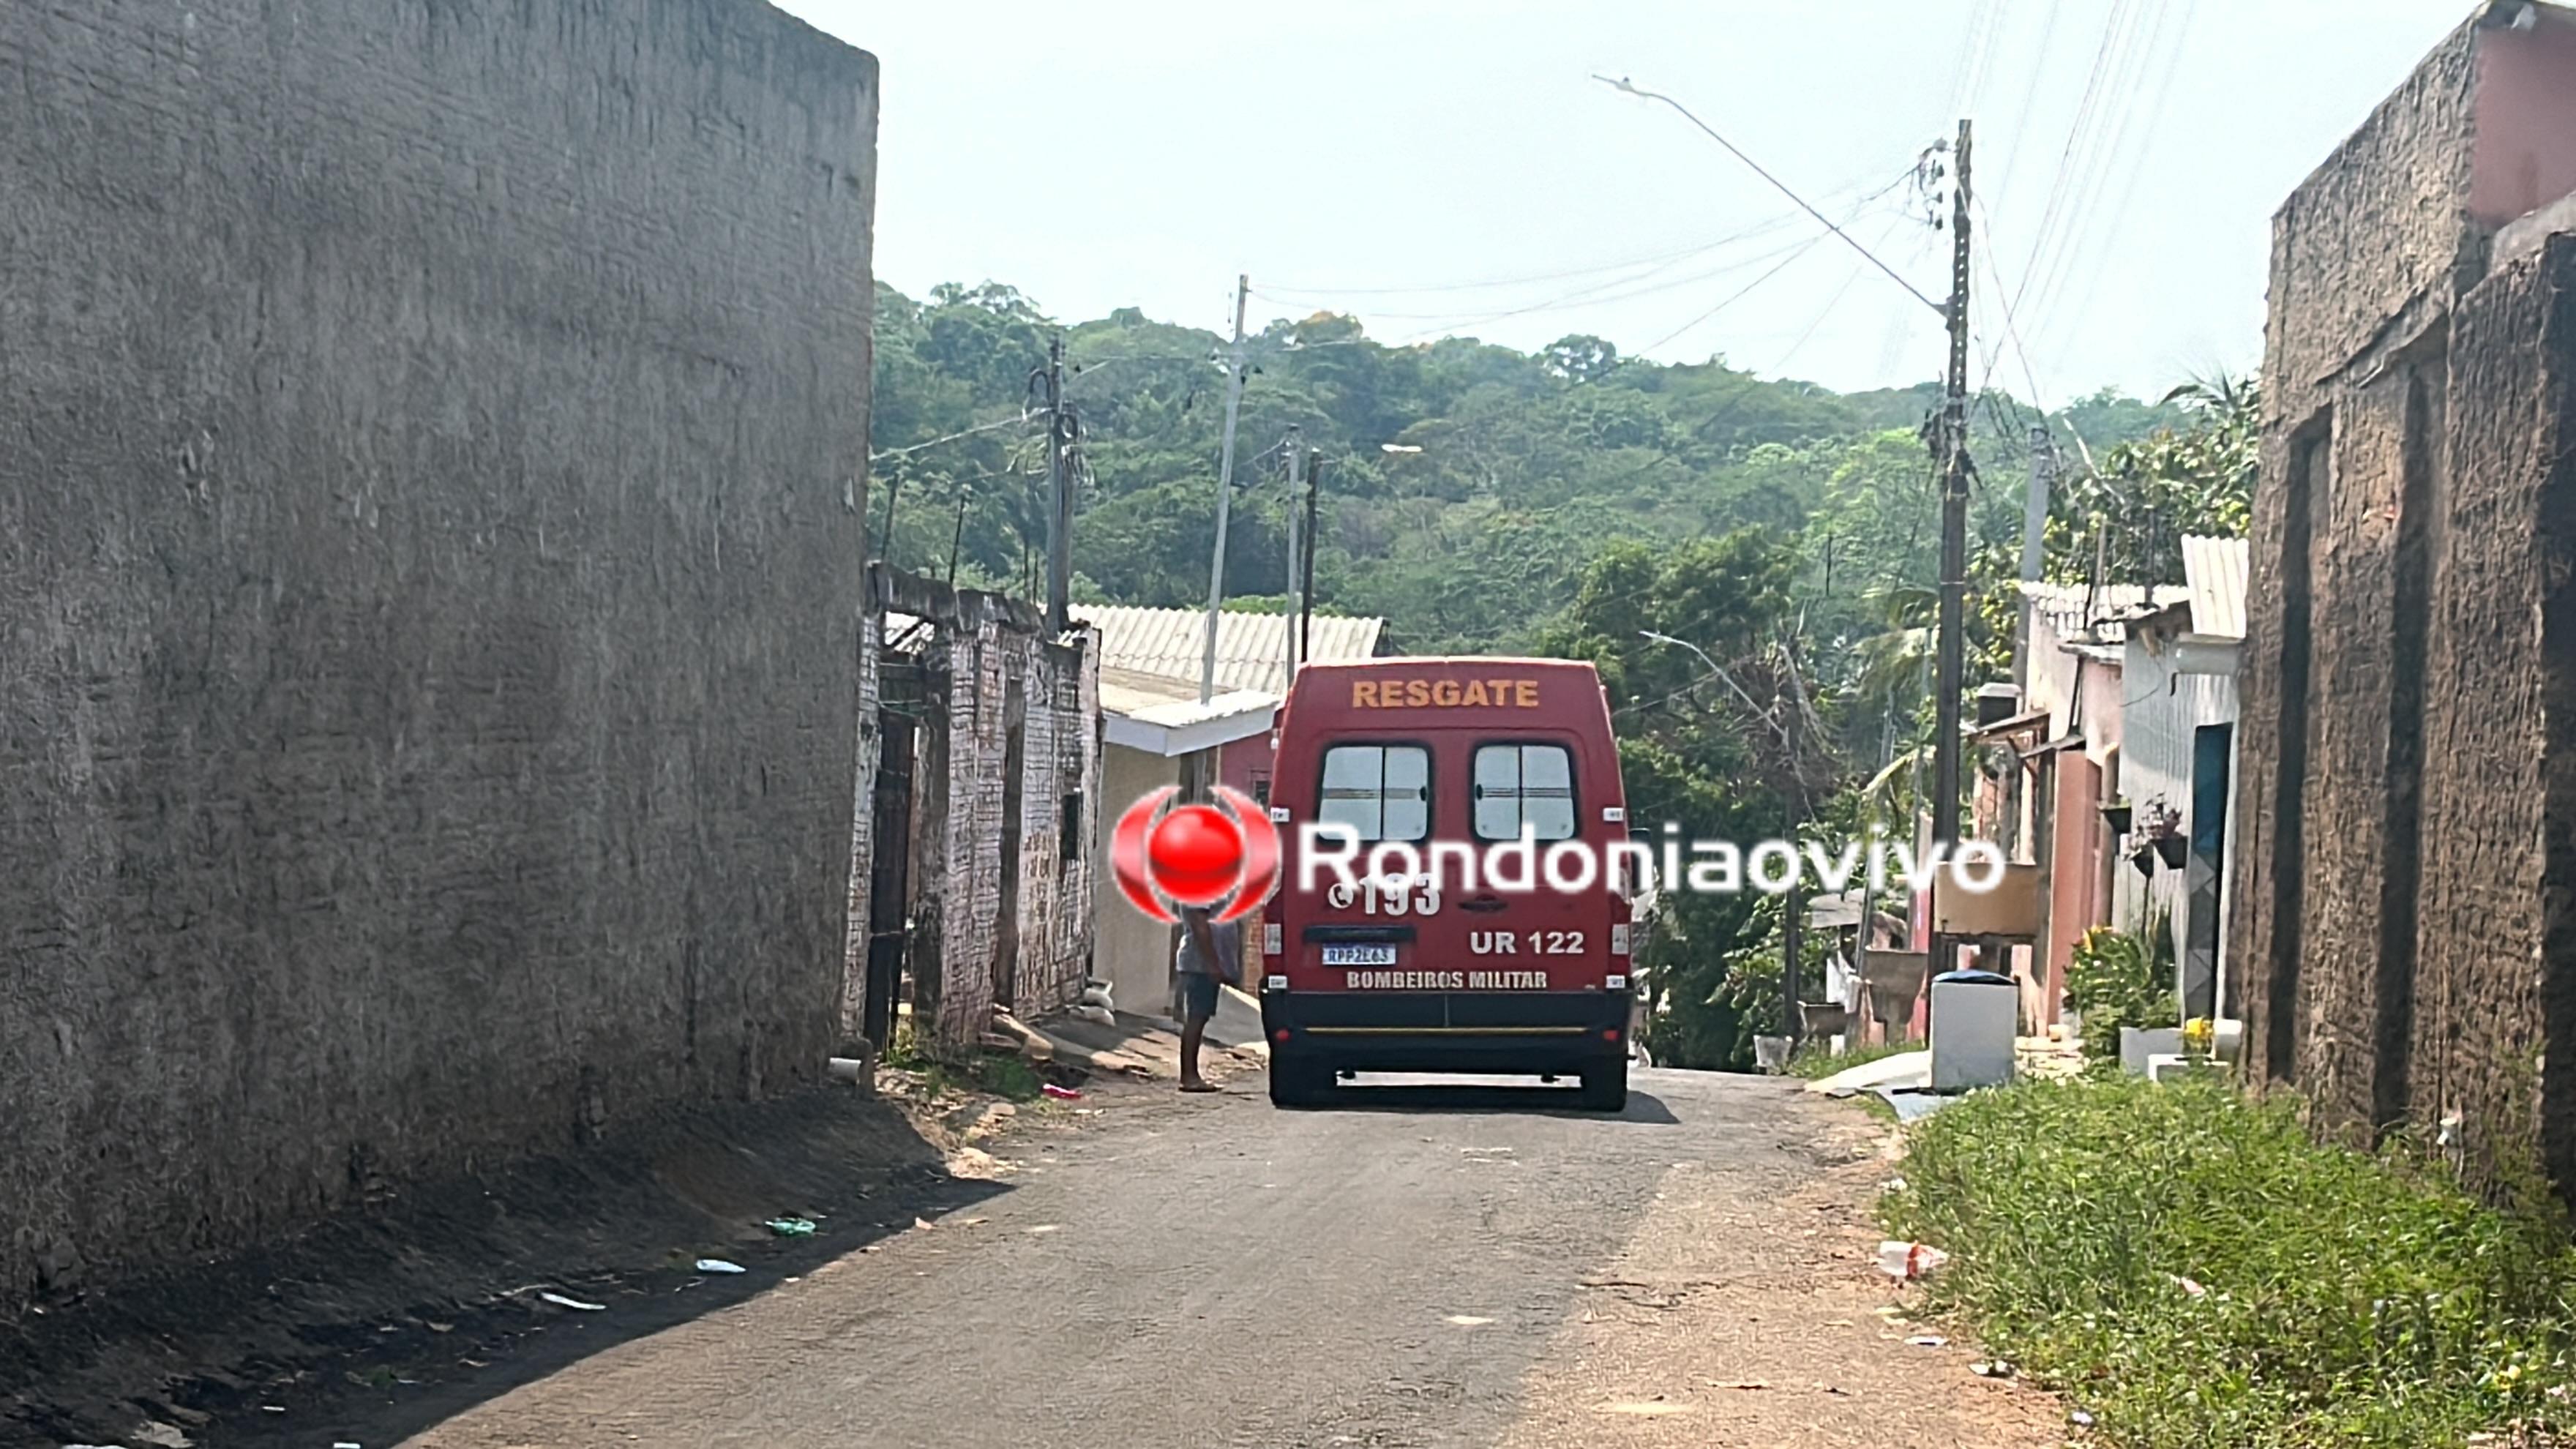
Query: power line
{"type": "Point", "coordinates": [1283, 294]}
{"type": "Point", "coordinates": [2076, 132]}
{"type": "Point", "coordinates": [1732, 297]}
{"type": "Point", "coordinates": [1830, 304]}
{"type": "Point", "coordinates": [2029, 98]}
{"type": "Point", "coordinates": [2102, 156]}
{"type": "Point", "coordinates": [1286, 294]}
{"type": "Point", "coordinates": [1592, 296]}
{"type": "Point", "coordinates": [1623, 84]}
{"type": "Point", "coordinates": [2155, 110]}
{"type": "Point", "coordinates": [995, 426]}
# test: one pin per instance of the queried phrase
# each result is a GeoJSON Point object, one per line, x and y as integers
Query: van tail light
{"type": "Point", "coordinates": [1619, 939]}
{"type": "Point", "coordinates": [1610, 1033]}
{"type": "Point", "coordinates": [1280, 1035]}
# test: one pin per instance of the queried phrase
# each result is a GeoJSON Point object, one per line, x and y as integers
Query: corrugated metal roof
{"type": "Point", "coordinates": [2073, 609]}
{"type": "Point", "coordinates": [2216, 569]}
{"type": "Point", "coordinates": [1251, 649]}
{"type": "Point", "coordinates": [1163, 716]}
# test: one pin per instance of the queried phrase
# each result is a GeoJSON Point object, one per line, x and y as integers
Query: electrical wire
{"type": "Point", "coordinates": [1732, 298]}
{"type": "Point", "coordinates": [1597, 295]}
{"type": "Point", "coordinates": [1594, 295]}
{"type": "Point", "coordinates": [2029, 98]}
{"type": "Point", "coordinates": [2101, 159]}
{"type": "Point", "coordinates": [1629, 87]}
{"type": "Point", "coordinates": [2077, 132]}
{"type": "Point", "coordinates": [2116, 215]}
{"type": "Point", "coordinates": [995, 426]}
{"type": "Point", "coordinates": [1286, 295]}
{"type": "Point", "coordinates": [1830, 304]}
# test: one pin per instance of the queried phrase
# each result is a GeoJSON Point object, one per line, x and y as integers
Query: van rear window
{"type": "Point", "coordinates": [1380, 792]}
{"type": "Point", "coordinates": [1524, 785]}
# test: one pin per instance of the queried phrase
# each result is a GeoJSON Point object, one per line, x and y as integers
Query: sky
{"type": "Point", "coordinates": [1438, 168]}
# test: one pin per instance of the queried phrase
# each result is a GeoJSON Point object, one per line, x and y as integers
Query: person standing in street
{"type": "Point", "coordinates": [1211, 958]}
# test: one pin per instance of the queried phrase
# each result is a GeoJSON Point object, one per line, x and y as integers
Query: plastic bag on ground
{"type": "Point", "coordinates": [1907, 1261]}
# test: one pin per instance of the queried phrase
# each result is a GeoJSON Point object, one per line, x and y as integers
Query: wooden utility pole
{"type": "Point", "coordinates": [1793, 1022]}
{"type": "Point", "coordinates": [1059, 496]}
{"type": "Point", "coordinates": [1224, 488]}
{"type": "Point", "coordinates": [1296, 448]}
{"type": "Point", "coordinates": [2034, 539]}
{"type": "Point", "coordinates": [1946, 743]}
{"type": "Point", "coordinates": [1306, 576]}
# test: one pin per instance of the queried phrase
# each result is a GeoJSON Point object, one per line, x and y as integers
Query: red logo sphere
{"type": "Point", "coordinates": [1224, 856]}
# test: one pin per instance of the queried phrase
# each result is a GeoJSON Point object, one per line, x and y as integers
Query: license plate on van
{"type": "Point", "coordinates": [1359, 955]}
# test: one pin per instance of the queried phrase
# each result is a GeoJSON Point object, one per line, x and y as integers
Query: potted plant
{"type": "Point", "coordinates": [2116, 815]}
{"type": "Point", "coordinates": [2164, 833]}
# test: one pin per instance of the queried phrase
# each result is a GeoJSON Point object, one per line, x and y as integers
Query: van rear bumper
{"type": "Point", "coordinates": [1480, 1031]}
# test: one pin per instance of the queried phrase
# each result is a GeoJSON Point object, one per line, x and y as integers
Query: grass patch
{"type": "Point", "coordinates": [2346, 1299]}
{"type": "Point", "coordinates": [1815, 1063]}
{"type": "Point", "coordinates": [1007, 1077]}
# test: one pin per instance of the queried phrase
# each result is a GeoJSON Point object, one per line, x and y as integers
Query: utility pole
{"type": "Point", "coordinates": [1296, 474]}
{"type": "Point", "coordinates": [1793, 1022]}
{"type": "Point", "coordinates": [1059, 496]}
{"type": "Point", "coordinates": [1306, 577]}
{"type": "Point", "coordinates": [1946, 743]}
{"type": "Point", "coordinates": [2034, 539]}
{"type": "Point", "coordinates": [1224, 487]}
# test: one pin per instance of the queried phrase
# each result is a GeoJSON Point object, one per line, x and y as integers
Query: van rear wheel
{"type": "Point", "coordinates": [1605, 1087]}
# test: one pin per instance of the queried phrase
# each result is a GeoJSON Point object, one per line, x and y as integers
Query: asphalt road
{"type": "Point", "coordinates": [1179, 1271]}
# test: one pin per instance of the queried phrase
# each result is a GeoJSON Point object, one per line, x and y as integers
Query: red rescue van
{"type": "Point", "coordinates": [1517, 974]}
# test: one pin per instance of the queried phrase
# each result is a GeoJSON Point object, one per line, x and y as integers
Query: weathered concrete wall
{"type": "Point", "coordinates": [854, 942]}
{"type": "Point", "coordinates": [2495, 958]}
{"type": "Point", "coordinates": [2365, 257]}
{"type": "Point", "coordinates": [2405, 839]}
{"type": "Point", "coordinates": [1032, 954]}
{"type": "Point", "coordinates": [993, 674]}
{"type": "Point", "coordinates": [427, 593]}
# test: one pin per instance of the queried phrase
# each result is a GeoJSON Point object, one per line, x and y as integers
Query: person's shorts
{"type": "Point", "coordinates": [1199, 994]}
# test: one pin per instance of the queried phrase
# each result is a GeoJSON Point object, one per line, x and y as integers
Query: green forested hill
{"type": "Point", "coordinates": [1529, 463]}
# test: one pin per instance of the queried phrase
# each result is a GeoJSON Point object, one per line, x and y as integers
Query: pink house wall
{"type": "Point", "coordinates": [2075, 870]}
{"type": "Point", "coordinates": [1245, 765]}
{"type": "Point", "coordinates": [2526, 113]}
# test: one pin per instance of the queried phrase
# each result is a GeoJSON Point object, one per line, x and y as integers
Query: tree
{"type": "Point", "coordinates": [2180, 480]}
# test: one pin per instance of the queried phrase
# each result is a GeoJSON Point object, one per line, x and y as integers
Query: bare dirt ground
{"type": "Point", "coordinates": [1733, 1322]}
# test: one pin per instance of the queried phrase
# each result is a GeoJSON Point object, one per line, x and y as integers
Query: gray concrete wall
{"type": "Point", "coordinates": [429, 521]}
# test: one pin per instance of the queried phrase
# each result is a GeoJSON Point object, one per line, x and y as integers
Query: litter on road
{"type": "Point", "coordinates": [575, 1304]}
{"type": "Point", "coordinates": [1908, 1261]}
{"type": "Point", "coordinates": [791, 1227]}
{"type": "Point", "coordinates": [718, 1265]}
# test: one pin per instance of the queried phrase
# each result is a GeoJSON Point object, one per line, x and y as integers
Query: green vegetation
{"type": "Point", "coordinates": [1557, 502]}
{"type": "Point", "coordinates": [2116, 981]}
{"type": "Point", "coordinates": [1008, 1077]}
{"type": "Point", "coordinates": [2192, 1268]}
